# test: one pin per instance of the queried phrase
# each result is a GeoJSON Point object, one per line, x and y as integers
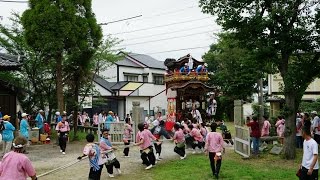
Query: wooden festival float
{"type": "Point", "coordinates": [187, 90]}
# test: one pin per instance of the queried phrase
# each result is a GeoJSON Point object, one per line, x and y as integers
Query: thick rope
{"type": "Point", "coordinates": [59, 168]}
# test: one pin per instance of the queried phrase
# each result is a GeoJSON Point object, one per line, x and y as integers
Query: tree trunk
{"type": "Point", "coordinates": [59, 83]}
{"type": "Point", "coordinates": [75, 107]}
{"type": "Point", "coordinates": [49, 114]}
{"type": "Point", "coordinates": [290, 124]}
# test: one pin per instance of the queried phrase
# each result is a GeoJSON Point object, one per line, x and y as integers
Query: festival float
{"type": "Point", "coordinates": [187, 90]}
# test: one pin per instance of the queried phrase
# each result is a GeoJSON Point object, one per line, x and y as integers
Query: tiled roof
{"type": "Point", "coordinates": [102, 82]}
{"type": "Point", "coordinates": [148, 61]}
{"type": "Point", "coordinates": [9, 61]}
{"type": "Point", "coordinates": [110, 86]}
{"type": "Point", "coordinates": [127, 62]}
{"type": "Point", "coordinates": [140, 61]}
{"type": "Point", "coordinates": [119, 85]}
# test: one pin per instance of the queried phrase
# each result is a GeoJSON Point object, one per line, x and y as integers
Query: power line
{"type": "Point", "coordinates": [166, 13]}
{"type": "Point", "coordinates": [165, 33]}
{"type": "Point", "coordinates": [119, 20]}
{"type": "Point", "coordinates": [183, 49]}
{"type": "Point", "coordinates": [13, 1]}
{"type": "Point", "coordinates": [165, 25]}
{"type": "Point", "coordinates": [176, 37]}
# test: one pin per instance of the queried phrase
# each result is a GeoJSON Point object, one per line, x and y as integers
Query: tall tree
{"type": "Point", "coordinates": [83, 67]}
{"type": "Point", "coordinates": [55, 28]}
{"type": "Point", "coordinates": [34, 77]}
{"type": "Point", "coordinates": [285, 33]}
{"type": "Point", "coordinates": [233, 70]}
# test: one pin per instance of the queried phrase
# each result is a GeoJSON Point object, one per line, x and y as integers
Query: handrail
{"type": "Point", "coordinates": [177, 76]}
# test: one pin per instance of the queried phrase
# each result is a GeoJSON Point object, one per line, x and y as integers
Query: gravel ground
{"type": "Point", "coordinates": [47, 157]}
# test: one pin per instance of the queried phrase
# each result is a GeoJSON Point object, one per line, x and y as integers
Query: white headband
{"type": "Point", "coordinates": [17, 146]}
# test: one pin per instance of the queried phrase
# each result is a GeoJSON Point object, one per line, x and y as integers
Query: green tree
{"type": "Point", "coordinates": [285, 33]}
{"type": "Point", "coordinates": [233, 71]}
{"type": "Point", "coordinates": [59, 28]}
{"type": "Point", "coordinates": [310, 106]}
{"type": "Point", "coordinates": [34, 78]}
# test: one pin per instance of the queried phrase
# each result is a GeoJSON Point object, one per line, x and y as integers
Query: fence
{"type": "Point", "coordinates": [116, 130]}
{"type": "Point", "coordinates": [242, 141]}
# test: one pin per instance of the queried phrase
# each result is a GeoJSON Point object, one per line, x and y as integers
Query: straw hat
{"type": "Point", "coordinates": [110, 112]}
{"type": "Point", "coordinates": [5, 117]}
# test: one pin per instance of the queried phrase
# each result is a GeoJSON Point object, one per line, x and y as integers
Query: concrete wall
{"type": "Point", "coordinates": [275, 84]}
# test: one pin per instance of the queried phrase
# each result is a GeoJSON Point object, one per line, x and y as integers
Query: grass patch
{"type": "Point", "coordinates": [233, 167]}
{"type": "Point", "coordinates": [81, 136]}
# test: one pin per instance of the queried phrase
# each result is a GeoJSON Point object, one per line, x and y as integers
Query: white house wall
{"type": "Point", "coordinates": [101, 90]}
{"type": "Point", "coordinates": [275, 84]}
{"type": "Point", "coordinates": [110, 74]}
{"type": "Point", "coordinates": [157, 101]}
{"type": "Point", "coordinates": [130, 70]}
{"type": "Point", "coordinates": [148, 89]}
{"type": "Point", "coordinates": [140, 71]}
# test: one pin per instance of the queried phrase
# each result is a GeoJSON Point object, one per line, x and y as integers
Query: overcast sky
{"type": "Point", "coordinates": [165, 25]}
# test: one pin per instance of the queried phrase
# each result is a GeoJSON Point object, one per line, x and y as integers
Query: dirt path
{"type": "Point", "coordinates": [47, 157]}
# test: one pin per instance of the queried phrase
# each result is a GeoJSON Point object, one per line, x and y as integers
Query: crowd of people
{"type": "Point", "coordinates": [185, 133]}
{"type": "Point", "coordinates": [149, 139]}
{"type": "Point", "coordinates": [307, 137]}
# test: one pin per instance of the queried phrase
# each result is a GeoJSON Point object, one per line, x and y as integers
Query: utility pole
{"type": "Point", "coordinates": [260, 100]}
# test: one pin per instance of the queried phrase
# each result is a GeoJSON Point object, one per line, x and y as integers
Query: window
{"type": "Point", "coordinates": [145, 79]}
{"type": "Point", "coordinates": [151, 112]}
{"type": "Point", "coordinates": [131, 78]}
{"type": "Point", "coordinates": [158, 79]}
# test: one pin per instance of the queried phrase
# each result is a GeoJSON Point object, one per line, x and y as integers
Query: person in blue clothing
{"type": "Point", "coordinates": [40, 120]}
{"type": "Point", "coordinates": [58, 117]}
{"type": "Point", "coordinates": [185, 69]}
{"type": "Point", "coordinates": [109, 120]}
{"type": "Point", "coordinates": [202, 68]}
{"type": "Point", "coordinates": [24, 126]}
{"type": "Point", "coordinates": [7, 134]}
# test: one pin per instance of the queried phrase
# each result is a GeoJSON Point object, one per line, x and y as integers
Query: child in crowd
{"type": "Point", "coordinates": [127, 135]}
{"type": "Point", "coordinates": [106, 147]}
{"type": "Point", "coordinates": [186, 131]}
{"type": "Point", "coordinates": [157, 132]}
{"type": "Point", "coordinates": [96, 160]}
{"type": "Point", "coordinates": [280, 124]}
{"type": "Point", "coordinates": [203, 131]}
{"type": "Point", "coordinates": [143, 140]}
{"type": "Point", "coordinates": [214, 147]}
{"type": "Point", "coordinates": [198, 139]}
{"type": "Point", "coordinates": [179, 140]}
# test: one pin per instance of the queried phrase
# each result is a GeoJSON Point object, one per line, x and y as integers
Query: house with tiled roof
{"type": "Point", "coordinates": [8, 92]}
{"type": "Point", "coordinates": [136, 77]}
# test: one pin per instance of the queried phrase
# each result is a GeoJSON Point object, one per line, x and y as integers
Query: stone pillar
{"type": "Point", "coordinates": [137, 115]}
{"type": "Point", "coordinates": [238, 113]}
